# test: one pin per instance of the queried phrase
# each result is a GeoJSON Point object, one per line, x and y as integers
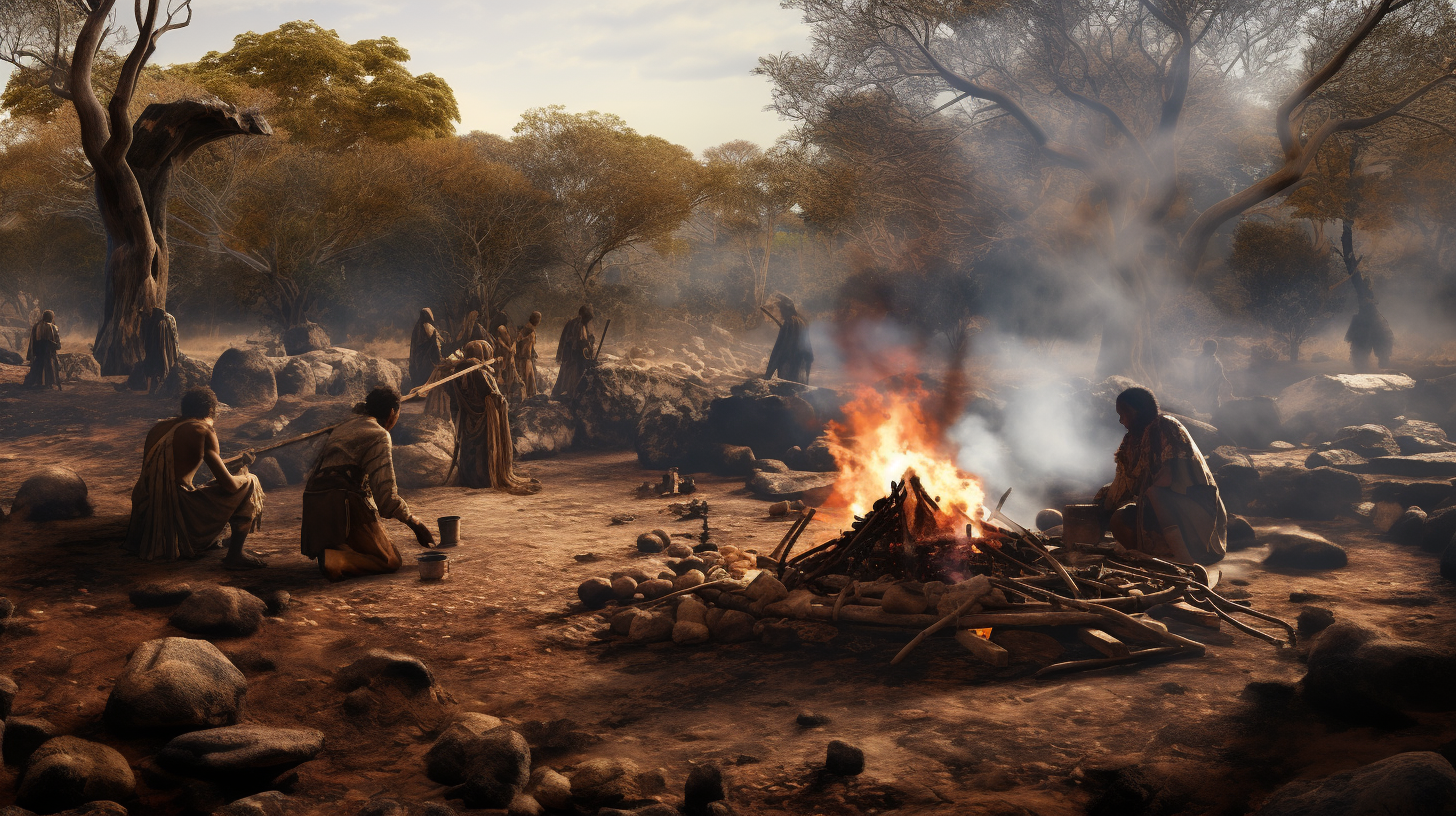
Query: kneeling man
{"type": "Point", "coordinates": [351, 488]}
{"type": "Point", "coordinates": [1163, 501]}
{"type": "Point", "coordinates": [170, 518]}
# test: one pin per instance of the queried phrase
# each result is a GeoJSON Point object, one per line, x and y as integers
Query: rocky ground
{"type": "Point", "coordinates": [940, 733]}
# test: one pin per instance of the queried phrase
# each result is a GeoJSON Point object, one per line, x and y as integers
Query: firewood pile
{"type": "Point", "coordinates": [909, 565]}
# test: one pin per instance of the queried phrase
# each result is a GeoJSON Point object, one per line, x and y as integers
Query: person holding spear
{"type": "Point", "coordinates": [575, 351]}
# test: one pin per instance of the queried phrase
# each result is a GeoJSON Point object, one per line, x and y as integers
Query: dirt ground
{"type": "Point", "coordinates": [941, 733]}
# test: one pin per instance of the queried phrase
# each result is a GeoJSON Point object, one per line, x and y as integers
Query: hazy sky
{"type": "Point", "coordinates": [678, 69]}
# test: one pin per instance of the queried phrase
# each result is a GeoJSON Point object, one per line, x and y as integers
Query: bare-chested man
{"type": "Point", "coordinates": [170, 518]}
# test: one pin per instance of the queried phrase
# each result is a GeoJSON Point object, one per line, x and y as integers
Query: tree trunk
{"type": "Point", "coordinates": [164, 136]}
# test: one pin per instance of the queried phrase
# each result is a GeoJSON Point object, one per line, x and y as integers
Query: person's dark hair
{"type": "Point", "coordinates": [586, 313]}
{"type": "Point", "coordinates": [48, 316]}
{"type": "Point", "coordinates": [1141, 402]}
{"type": "Point", "coordinates": [199, 403]}
{"type": "Point", "coordinates": [1210, 346]}
{"type": "Point", "coordinates": [380, 403]}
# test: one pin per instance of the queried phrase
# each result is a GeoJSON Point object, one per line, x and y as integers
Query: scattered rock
{"type": "Point", "coordinates": [655, 588]}
{"type": "Point", "coordinates": [595, 592]}
{"type": "Point", "coordinates": [220, 611]}
{"type": "Point", "coordinates": [153, 595]}
{"type": "Point", "coordinates": [379, 668]}
{"type": "Point", "coordinates": [1438, 530]}
{"type": "Point", "coordinates": [671, 435]}
{"type": "Point", "coordinates": [1226, 455]}
{"type": "Point", "coordinates": [732, 460]}
{"type": "Point", "coordinates": [450, 756]}
{"type": "Point", "coordinates": [810, 487]}
{"type": "Point", "coordinates": [651, 628]}
{"type": "Point", "coordinates": [843, 759]}
{"type": "Point", "coordinates": [275, 601]}
{"type": "Point", "coordinates": [69, 771]}
{"type": "Point", "coordinates": [1047, 519]}
{"type": "Point", "coordinates": [1412, 493]}
{"type": "Point", "coordinates": [524, 805]}
{"type": "Point", "coordinates": [23, 735]}
{"type": "Point", "coordinates": [599, 783]}
{"type": "Point", "coordinates": [541, 428]}
{"type": "Point", "coordinates": [550, 788]}
{"type": "Point", "coordinates": [1336, 458]}
{"type": "Point", "coordinates": [244, 378]}
{"type": "Point", "coordinates": [1409, 528]}
{"type": "Point", "coordinates": [1312, 620]}
{"type": "Point", "coordinates": [296, 378]}
{"type": "Point", "coordinates": [1366, 440]}
{"type": "Point", "coordinates": [766, 589]}
{"type": "Point", "coordinates": [1241, 535]}
{"type": "Point", "coordinates": [624, 587]}
{"type": "Point", "coordinates": [498, 768]}
{"type": "Point", "coordinates": [187, 374]}
{"type": "Point", "coordinates": [355, 375]}
{"type": "Point", "coordinates": [306, 337]}
{"type": "Point", "coordinates": [731, 625]}
{"type": "Point", "coordinates": [422, 465]}
{"type": "Point", "coordinates": [1293, 548]}
{"type": "Point", "coordinates": [237, 751]}
{"type": "Point", "coordinates": [688, 580]}
{"type": "Point", "coordinates": [704, 786]}
{"type": "Point", "coordinates": [75, 366]}
{"type": "Point", "coordinates": [176, 684]}
{"type": "Point", "coordinates": [1415, 782]}
{"type": "Point", "coordinates": [1441, 465]}
{"type": "Point", "coordinates": [1361, 674]}
{"type": "Point", "coordinates": [8, 690]}
{"type": "Point", "coordinates": [268, 803]}
{"type": "Point", "coordinates": [53, 494]}
{"type": "Point", "coordinates": [651, 543]}
{"type": "Point", "coordinates": [269, 472]}
{"type": "Point", "coordinates": [809, 719]}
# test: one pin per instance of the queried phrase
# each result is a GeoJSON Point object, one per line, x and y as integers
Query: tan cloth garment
{"type": "Point", "coordinates": [1179, 513]}
{"type": "Point", "coordinates": [526, 360]}
{"type": "Point", "coordinates": [170, 520]}
{"type": "Point", "coordinates": [573, 352]}
{"type": "Point", "coordinates": [483, 431]}
{"type": "Point", "coordinates": [342, 528]}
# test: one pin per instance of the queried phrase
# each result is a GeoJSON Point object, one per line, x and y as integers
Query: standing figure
{"type": "Point", "coordinates": [1163, 501]}
{"type": "Point", "coordinates": [505, 362]}
{"type": "Point", "coordinates": [526, 356]}
{"type": "Point", "coordinates": [483, 444]}
{"type": "Point", "coordinates": [45, 346]}
{"type": "Point", "coordinates": [171, 519]}
{"type": "Point", "coordinates": [1369, 331]}
{"type": "Point", "coordinates": [352, 486]}
{"type": "Point", "coordinates": [574, 352]}
{"type": "Point", "coordinates": [471, 329]}
{"type": "Point", "coordinates": [159, 337]}
{"type": "Point", "coordinates": [792, 356]}
{"type": "Point", "coordinates": [1209, 382]}
{"type": "Point", "coordinates": [425, 350]}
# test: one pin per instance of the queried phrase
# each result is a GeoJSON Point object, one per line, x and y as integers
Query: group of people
{"type": "Point", "coordinates": [159, 351]}
{"type": "Point", "coordinates": [512, 354]}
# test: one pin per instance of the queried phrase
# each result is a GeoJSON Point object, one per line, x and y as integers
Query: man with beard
{"type": "Point", "coordinates": [351, 488]}
{"type": "Point", "coordinates": [425, 348]}
{"type": "Point", "coordinates": [484, 448]}
{"type": "Point", "coordinates": [574, 353]}
{"type": "Point", "coordinates": [792, 356]}
{"type": "Point", "coordinates": [43, 353]}
{"type": "Point", "coordinates": [159, 337]}
{"type": "Point", "coordinates": [526, 356]}
{"type": "Point", "coordinates": [1163, 501]}
{"type": "Point", "coordinates": [172, 519]}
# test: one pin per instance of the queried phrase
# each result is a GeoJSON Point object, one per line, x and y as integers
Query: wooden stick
{"type": "Point", "coordinates": [765, 310]}
{"type": "Point", "coordinates": [983, 649]}
{"type": "Point", "coordinates": [1108, 645]}
{"type": "Point", "coordinates": [794, 537]}
{"type": "Point", "coordinates": [1106, 662]}
{"type": "Point", "coordinates": [603, 341]}
{"type": "Point", "coordinates": [1119, 619]}
{"type": "Point", "coordinates": [935, 627]}
{"type": "Point", "coordinates": [874, 616]}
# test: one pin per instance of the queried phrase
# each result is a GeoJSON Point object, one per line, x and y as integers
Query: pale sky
{"type": "Point", "coordinates": [678, 69]}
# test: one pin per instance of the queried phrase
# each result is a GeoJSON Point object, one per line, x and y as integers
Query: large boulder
{"type": "Point", "coordinates": [1329, 402]}
{"type": "Point", "coordinates": [1437, 530]}
{"type": "Point", "coordinates": [74, 366]}
{"type": "Point", "coordinates": [1238, 486]}
{"type": "Point", "coordinates": [220, 611]}
{"type": "Point", "coordinates": [296, 378]}
{"type": "Point", "coordinates": [605, 782]}
{"type": "Point", "coordinates": [1296, 492]}
{"type": "Point", "coordinates": [1418, 436]}
{"type": "Point", "coordinates": [1251, 422]}
{"type": "Point", "coordinates": [304, 338]}
{"type": "Point", "coordinates": [541, 428]}
{"type": "Point", "coordinates": [54, 494]}
{"type": "Point", "coordinates": [68, 771]}
{"type": "Point", "coordinates": [1440, 465]}
{"type": "Point", "coordinates": [612, 399]}
{"type": "Point", "coordinates": [297, 459]}
{"type": "Point", "coordinates": [813, 488]}
{"type": "Point", "coordinates": [1412, 493]}
{"type": "Point", "coordinates": [495, 767]}
{"type": "Point", "coordinates": [1415, 783]}
{"type": "Point", "coordinates": [770, 425]}
{"type": "Point", "coordinates": [450, 756]}
{"type": "Point", "coordinates": [422, 465]}
{"type": "Point", "coordinates": [176, 684]}
{"type": "Point", "coordinates": [24, 735]}
{"type": "Point", "coordinates": [234, 751]}
{"type": "Point", "coordinates": [11, 358]}
{"type": "Point", "coordinates": [415, 429]}
{"type": "Point", "coordinates": [187, 374]}
{"type": "Point", "coordinates": [244, 377]}
{"type": "Point", "coordinates": [1293, 548]}
{"type": "Point", "coordinates": [1362, 674]}
{"type": "Point", "coordinates": [671, 436]}
{"type": "Point", "coordinates": [349, 374]}
{"type": "Point", "coordinates": [1367, 440]}
{"type": "Point", "coordinates": [1337, 459]}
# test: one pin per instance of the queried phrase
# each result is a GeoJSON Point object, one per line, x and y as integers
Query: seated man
{"type": "Point", "coordinates": [351, 487]}
{"type": "Point", "coordinates": [170, 518]}
{"type": "Point", "coordinates": [1163, 501]}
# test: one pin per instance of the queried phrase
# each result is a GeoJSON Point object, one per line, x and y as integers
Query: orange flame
{"type": "Point", "coordinates": [887, 438]}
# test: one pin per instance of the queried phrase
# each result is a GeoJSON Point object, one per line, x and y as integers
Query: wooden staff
{"type": "Point", "coordinates": [414, 393]}
{"type": "Point", "coordinates": [603, 341]}
{"type": "Point", "coordinates": [778, 322]}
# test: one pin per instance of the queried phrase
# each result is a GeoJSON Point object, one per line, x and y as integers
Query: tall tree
{"type": "Point", "coordinates": [1113, 92]}
{"type": "Point", "coordinates": [612, 187]}
{"type": "Point", "coordinates": [751, 192]}
{"type": "Point", "coordinates": [132, 161]}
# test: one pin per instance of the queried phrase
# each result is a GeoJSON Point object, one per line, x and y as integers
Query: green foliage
{"type": "Point", "coordinates": [1286, 274]}
{"type": "Point", "coordinates": [329, 92]}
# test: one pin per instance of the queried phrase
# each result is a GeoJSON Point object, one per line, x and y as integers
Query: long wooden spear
{"type": "Point", "coordinates": [414, 393]}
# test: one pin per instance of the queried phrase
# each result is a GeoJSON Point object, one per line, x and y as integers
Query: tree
{"type": "Point", "coordinates": [1109, 97]}
{"type": "Point", "coordinates": [132, 158]}
{"type": "Point", "coordinates": [331, 93]}
{"type": "Point", "coordinates": [611, 187]}
{"type": "Point", "coordinates": [488, 226]}
{"type": "Point", "coordinates": [1285, 273]}
{"type": "Point", "coordinates": [751, 191]}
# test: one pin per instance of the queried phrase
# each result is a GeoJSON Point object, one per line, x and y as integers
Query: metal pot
{"type": "Point", "coordinates": [433, 566]}
{"type": "Point", "coordinates": [1082, 524]}
{"type": "Point", "coordinates": [449, 531]}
